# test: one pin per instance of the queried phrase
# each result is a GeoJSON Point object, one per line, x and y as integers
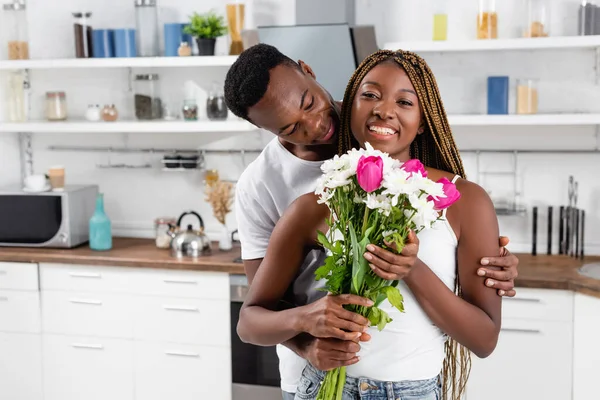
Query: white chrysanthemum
{"type": "Point", "coordinates": [389, 163]}
{"type": "Point", "coordinates": [386, 234]}
{"type": "Point", "coordinates": [428, 186]}
{"type": "Point", "coordinates": [424, 213]}
{"type": "Point", "coordinates": [379, 202]}
{"type": "Point", "coordinates": [398, 182]}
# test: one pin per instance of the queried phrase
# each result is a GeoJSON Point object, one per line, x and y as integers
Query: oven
{"type": "Point", "coordinates": [255, 369]}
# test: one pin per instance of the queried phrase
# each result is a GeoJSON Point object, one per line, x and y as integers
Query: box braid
{"type": "Point", "coordinates": [435, 148]}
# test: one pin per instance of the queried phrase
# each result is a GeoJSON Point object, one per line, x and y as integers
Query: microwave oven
{"type": "Point", "coordinates": [46, 219]}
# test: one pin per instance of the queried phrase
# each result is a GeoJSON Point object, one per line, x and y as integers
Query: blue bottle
{"type": "Point", "coordinates": [100, 227]}
{"type": "Point", "coordinates": [497, 95]}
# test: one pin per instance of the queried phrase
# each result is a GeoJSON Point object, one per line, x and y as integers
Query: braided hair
{"type": "Point", "coordinates": [435, 148]}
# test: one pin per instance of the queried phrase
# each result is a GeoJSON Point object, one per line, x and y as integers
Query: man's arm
{"type": "Point", "coordinates": [501, 271]}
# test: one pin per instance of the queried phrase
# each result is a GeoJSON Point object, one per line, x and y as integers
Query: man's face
{"type": "Point", "coordinates": [296, 108]}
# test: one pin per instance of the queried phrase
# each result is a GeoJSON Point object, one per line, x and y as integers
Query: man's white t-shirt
{"type": "Point", "coordinates": [264, 191]}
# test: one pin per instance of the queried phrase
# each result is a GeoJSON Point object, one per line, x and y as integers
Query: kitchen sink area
{"type": "Point", "coordinates": [591, 270]}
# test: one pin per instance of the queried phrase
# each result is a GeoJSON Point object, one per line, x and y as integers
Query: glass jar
{"type": "Point", "coordinates": [93, 113]}
{"type": "Point", "coordinates": [527, 96]}
{"type": "Point", "coordinates": [56, 106]}
{"type": "Point", "coordinates": [15, 25]}
{"type": "Point", "coordinates": [216, 109]}
{"type": "Point", "coordinates": [190, 110]}
{"type": "Point", "coordinates": [110, 113]}
{"type": "Point", "coordinates": [16, 96]}
{"type": "Point", "coordinates": [161, 230]}
{"type": "Point", "coordinates": [148, 105]}
{"type": "Point", "coordinates": [235, 23]}
{"type": "Point", "coordinates": [440, 20]}
{"type": "Point", "coordinates": [487, 20]}
{"type": "Point", "coordinates": [146, 33]}
{"type": "Point", "coordinates": [589, 15]}
{"type": "Point", "coordinates": [537, 19]}
{"type": "Point", "coordinates": [83, 34]}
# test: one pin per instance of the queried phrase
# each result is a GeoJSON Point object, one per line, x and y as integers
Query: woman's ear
{"type": "Point", "coordinates": [421, 128]}
{"type": "Point", "coordinates": [306, 69]}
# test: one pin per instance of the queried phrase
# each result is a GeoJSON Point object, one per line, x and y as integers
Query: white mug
{"type": "Point", "coordinates": [36, 182]}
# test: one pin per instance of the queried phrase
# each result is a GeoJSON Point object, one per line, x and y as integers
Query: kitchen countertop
{"type": "Point", "coordinates": [542, 271]}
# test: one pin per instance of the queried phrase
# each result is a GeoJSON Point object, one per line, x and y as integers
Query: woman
{"type": "Point", "coordinates": [392, 102]}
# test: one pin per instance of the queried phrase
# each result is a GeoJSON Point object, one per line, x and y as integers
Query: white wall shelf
{"type": "Point", "coordinates": [229, 126]}
{"type": "Point", "coordinates": [134, 62]}
{"type": "Point", "coordinates": [525, 120]}
{"type": "Point", "coordinates": [559, 42]}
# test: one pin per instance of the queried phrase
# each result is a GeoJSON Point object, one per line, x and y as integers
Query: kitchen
{"type": "Point", "coordinates": [83, 324]}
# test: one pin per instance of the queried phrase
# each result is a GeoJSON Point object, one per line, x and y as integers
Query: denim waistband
{"type": "Point", "coordinates": [364, 387]}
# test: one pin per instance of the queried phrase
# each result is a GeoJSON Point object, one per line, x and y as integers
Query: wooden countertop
{"type": "Point", "coordinates": [542, 271]}
{"type": "Point", "coordinates": [128, 252]}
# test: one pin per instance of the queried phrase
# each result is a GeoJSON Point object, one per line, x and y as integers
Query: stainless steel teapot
{"type": "Point", "coordinates": [189, 243]}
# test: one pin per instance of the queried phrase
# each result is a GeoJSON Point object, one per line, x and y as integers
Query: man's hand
{"type": "Point", "coordinates": [502, 278]}
{"type": "Point", "coordinates": [327, 354]}
{"type": "Point", "coordinates": [393, 266]}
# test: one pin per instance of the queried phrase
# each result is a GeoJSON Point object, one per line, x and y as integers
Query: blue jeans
{"type": "Point", "coordinates": [288, 396]}
{"type": "Point", "coordinates": [368, 389]}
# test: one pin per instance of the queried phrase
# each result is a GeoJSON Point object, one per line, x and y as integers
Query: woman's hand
{"type": "Point", "coordinates": [327, 354]}
{"type": "Point", "coordinates": [327, 318]}
{"type": "Point", "coordinates": [393, 266]}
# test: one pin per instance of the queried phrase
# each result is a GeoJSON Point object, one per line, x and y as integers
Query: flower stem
{"type": "Point", "coordinates": [365, 220]}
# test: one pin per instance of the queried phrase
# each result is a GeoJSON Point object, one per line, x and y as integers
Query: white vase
{"type": "Point", "coordinates": [225, 239]}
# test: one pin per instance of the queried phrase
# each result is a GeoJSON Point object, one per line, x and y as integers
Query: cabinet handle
{"type": "Point", "coordinates": [520, 330]}
{"type": "Point", "coordinates": [526, 299]}
{"type": "Point", "coordinates": [85, 275]}
{"type": "Point", "coordinates": [182, 354]}
{"type": "Point", "coordinates": [88, 346]}
{"type": "Point", "coordinates": [83, 301]}
{"type": "Point", "coordinates": [2, 298]}
{"type": "Point", "coordinates": [181, 308]}
{"type": "Point", "coordinates": [180, 281]}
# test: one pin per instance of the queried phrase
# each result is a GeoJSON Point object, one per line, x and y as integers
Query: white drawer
{"type": "Point", "coordinates": [87, 314]}
{"type": "Point", "coordinates": [20, 366]}
{"type": "Point", "coordinates": [539, 304]}
{"type": "Point", "coordinates": [183, 320]}
{"type": "Point", "coordinates": [19, 311]}
{"type": "Point", "coordinates": [80, 278]}
{"type": "Point", "coordinates": [19, 276]}
{"type": "Point", "coordinates": [165, 371]}
{"type": "Point", "coordinates": [170, 283]}
{"type": "Point", "coordinates": [77, 368]}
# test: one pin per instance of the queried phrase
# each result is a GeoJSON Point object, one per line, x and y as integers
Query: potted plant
{"type": "Point", "coordinates": [206, 28]}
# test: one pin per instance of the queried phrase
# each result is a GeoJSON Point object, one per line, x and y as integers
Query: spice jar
{"type": "Point", "coordinates": [110, 113]}
{"type": "Point", "coordinates": [93, 113]}
{"type": "Point", "coordinates": [527, 96]}
{"type": "Point", "coordinates": [161, 229]}
{"type": "Point", "coordinates": [190, 110]}
{"type": "Point", "coordinates": [184, 50]}
{"type": "Point", "coordinates": [487, 20]}
{"type": "Point", "coordinates": [146, 34]}
{"type": "Point", "coordinates": [15, 25]}
{"type": "Point", "coordinates": [16, 96]}
{"type": "Point", "coordinates": [83, 34]}
{"type": "Point", "coordinates": [588, 19]}
{"type": "Point", "coordinates": [537, 19]}
{"type": "Point", "coordinates": [56, 106]}
{"type": "Point", "coordinates": [216, 109]}
{"type": "Point", "coordinates": [440, 20]}
{"type": "Point", "coordinates": [148, 105]}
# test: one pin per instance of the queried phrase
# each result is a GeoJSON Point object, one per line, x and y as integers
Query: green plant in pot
{"type": "Point", "coordinates": [206, 28]}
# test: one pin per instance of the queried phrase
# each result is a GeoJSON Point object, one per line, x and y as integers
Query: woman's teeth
{"type": "Point", "coordinates": [382, 131]}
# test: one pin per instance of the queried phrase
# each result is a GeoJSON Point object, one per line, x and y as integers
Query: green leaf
{"type": "Point", "coordinates": [394, 297]}
{"type": "Point", "coordinates": [384, 320]}
{"type": "Point", "coordinates": [321, 238]}
{"type": "Point", "coordinates": [323, 271]}
{"type": "Point", "coordinates": [374, 316]}
{"type": "Point", "coordinates": [359, 263]}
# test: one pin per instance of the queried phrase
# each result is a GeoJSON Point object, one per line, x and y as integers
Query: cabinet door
{"type": "Point", "coordinates": [79, 368]}
{"type": "Point", "coordinates": [586, 357]}
{"type": "Point", "coordinates": [19, 311]}
{"type": "Point", "coordinates": [533, 360]}
{"type": "Point", "coordinates": [163, 370]}
{"type": "Point", "coordinates": [20, 366]}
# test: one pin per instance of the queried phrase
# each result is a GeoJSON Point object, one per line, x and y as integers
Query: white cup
{"type": "Point", "coordinates": [36, 182]}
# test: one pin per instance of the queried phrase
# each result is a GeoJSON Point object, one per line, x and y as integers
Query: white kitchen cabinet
{"type": "Point", "coordinates": [83, 368]}
{"type": "Point", "coordinates": [586, 357]}
{"type": "Point", "coordinates": [19, 311]}
{"type": "Point", "coordinates": [533, 358]}
{"type": "Point", "coordinates": [168, 371]}
{"type": "Point", "coordinates": [19, 276]}
{"type": "Point", "coordinates": [20, 366]}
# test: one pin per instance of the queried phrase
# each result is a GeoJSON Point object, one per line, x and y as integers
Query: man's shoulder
{"type": "Point", "coordinates": [258, 173]}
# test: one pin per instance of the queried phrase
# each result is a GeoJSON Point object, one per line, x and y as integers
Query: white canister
{"type": "Point", "coordinates": [93, 113]}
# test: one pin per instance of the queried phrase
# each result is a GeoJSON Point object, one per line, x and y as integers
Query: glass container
{"type": "Point", "coordinates": [190, 110]}
{"type": "Point", "coordinates": [235, 22]}
{"type": "Point", "coordinates": [216, 109]}
{"type": "Point", "coordinates": [83, 34]}
{"type": "Point", "coordinates": [148, 105]}
{"type": "Point", "coordinates": [56, 106]}
{"type": "Point", "coordinates": [161, 231]}
{"type": "Point", "coordinates": [527, 96]}
{"type": "Point", "coordinates": [110, 113]}
{"type": "Point", "coordinates": [487, 20]}
{"type": "Point", "coordinates": [16, 96]}
{"type": "Point", "coordinates": [146, 33]}
{"type": "Point", "coordinates": [100, 227]}
{"type": "Point", "coordinates": [589, 15]}
{"type": "Point", "coordinates": [537, 19]}
{"type": "Point", "coordinates": [440, 20]}
{"type": "Point", "coordinates": [15, 30]}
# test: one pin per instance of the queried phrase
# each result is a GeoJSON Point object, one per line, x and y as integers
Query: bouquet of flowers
{"type": "Point", "coordinates": [373, 199]}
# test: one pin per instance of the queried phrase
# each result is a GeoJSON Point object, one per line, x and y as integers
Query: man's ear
{"type": "Point", "coordinates": [306, 69]}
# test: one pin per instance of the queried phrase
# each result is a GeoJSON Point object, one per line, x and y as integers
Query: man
{"type": "Point", "coordinates": [275, 93]}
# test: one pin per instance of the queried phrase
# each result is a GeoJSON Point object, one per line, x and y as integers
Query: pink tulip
{"type": "Point", "coordinates": [369, 173]}
{"type": "Point", "coordinates": [414, 165]}
{"type": "Point", "coordinates": [452, 195]}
